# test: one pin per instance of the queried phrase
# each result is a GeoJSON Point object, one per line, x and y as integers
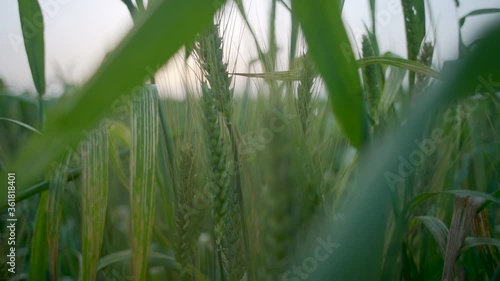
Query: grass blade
{"type": "Point", "coordinates": [477, 13]}
{"type": "Point", "coordinates": [126, 255]}
{"type": "Point", "coordinates": [24, 125]}
{"type": "Point", "coordinates": [39, 244]}
{"type": "Point", "coordinates": [401, 63]}
{"type": "Point", "coordinates": [32, 25]}
{"type": "Point", "coordinates": [471, 242]}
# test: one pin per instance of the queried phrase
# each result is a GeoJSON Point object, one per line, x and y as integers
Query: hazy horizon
{"type": "Point", "coordinates": [79, 33]}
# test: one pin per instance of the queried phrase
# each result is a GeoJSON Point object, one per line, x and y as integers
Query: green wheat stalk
{"type": "Point", "coordinates": [228, 199]}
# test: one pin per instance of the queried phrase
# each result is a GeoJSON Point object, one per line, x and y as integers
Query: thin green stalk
{"type": "Point", "coordinates": [40, 112]}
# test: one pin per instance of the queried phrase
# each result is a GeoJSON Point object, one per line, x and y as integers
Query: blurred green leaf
{"type": "Point", "coordinates": [39, 243]}
{"type": "Point", "coordinates": [331, 51]}
{"type": "Point", "coordinates": [32, 26]}
{"type": "Point", "coordinates": [365, 216]}
{"type": "Point", "coordinates": [155, 38]}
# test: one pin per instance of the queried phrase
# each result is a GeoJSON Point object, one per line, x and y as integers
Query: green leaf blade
{"type": "Point", "coordinates": [39, 245]}
{"type": "Point", "coordinates": [331, 51]}
{"type": "Point", "coordinates": [32, 26]}
{"type": "Point", "coordinates": [115, 79]}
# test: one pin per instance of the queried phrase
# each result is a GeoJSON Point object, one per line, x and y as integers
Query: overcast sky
{"type": "Point", "coordinates": [80, 32]}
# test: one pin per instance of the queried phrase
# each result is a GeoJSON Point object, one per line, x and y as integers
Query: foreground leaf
{"type": "Point", "coordinates": [154, 39]}
{"type": "Point", "coordinates": [363, 228]}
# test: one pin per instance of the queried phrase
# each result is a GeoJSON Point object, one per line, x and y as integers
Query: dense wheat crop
{"type": "Point", "coordinates": [335, 161]}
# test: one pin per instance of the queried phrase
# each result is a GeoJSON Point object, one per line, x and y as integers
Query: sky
{"type": "Point", "coordinates": [78, 34]}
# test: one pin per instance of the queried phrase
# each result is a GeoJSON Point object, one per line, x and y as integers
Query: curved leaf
{"type": "Point", "coordinates": [438, 230]}
{"type": "Point", "coordinates": [478, 13]}
{"type": "Point", "coordinates": [402, 63]}
{"type": "Point", "coordinates": [127, 255]}
{"type": "Point", "coordinates": [24, 125]}
{"type": "Point", "coordinates": [419, 199]}
{"type": "Point", "coordinates": [471, 242]}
